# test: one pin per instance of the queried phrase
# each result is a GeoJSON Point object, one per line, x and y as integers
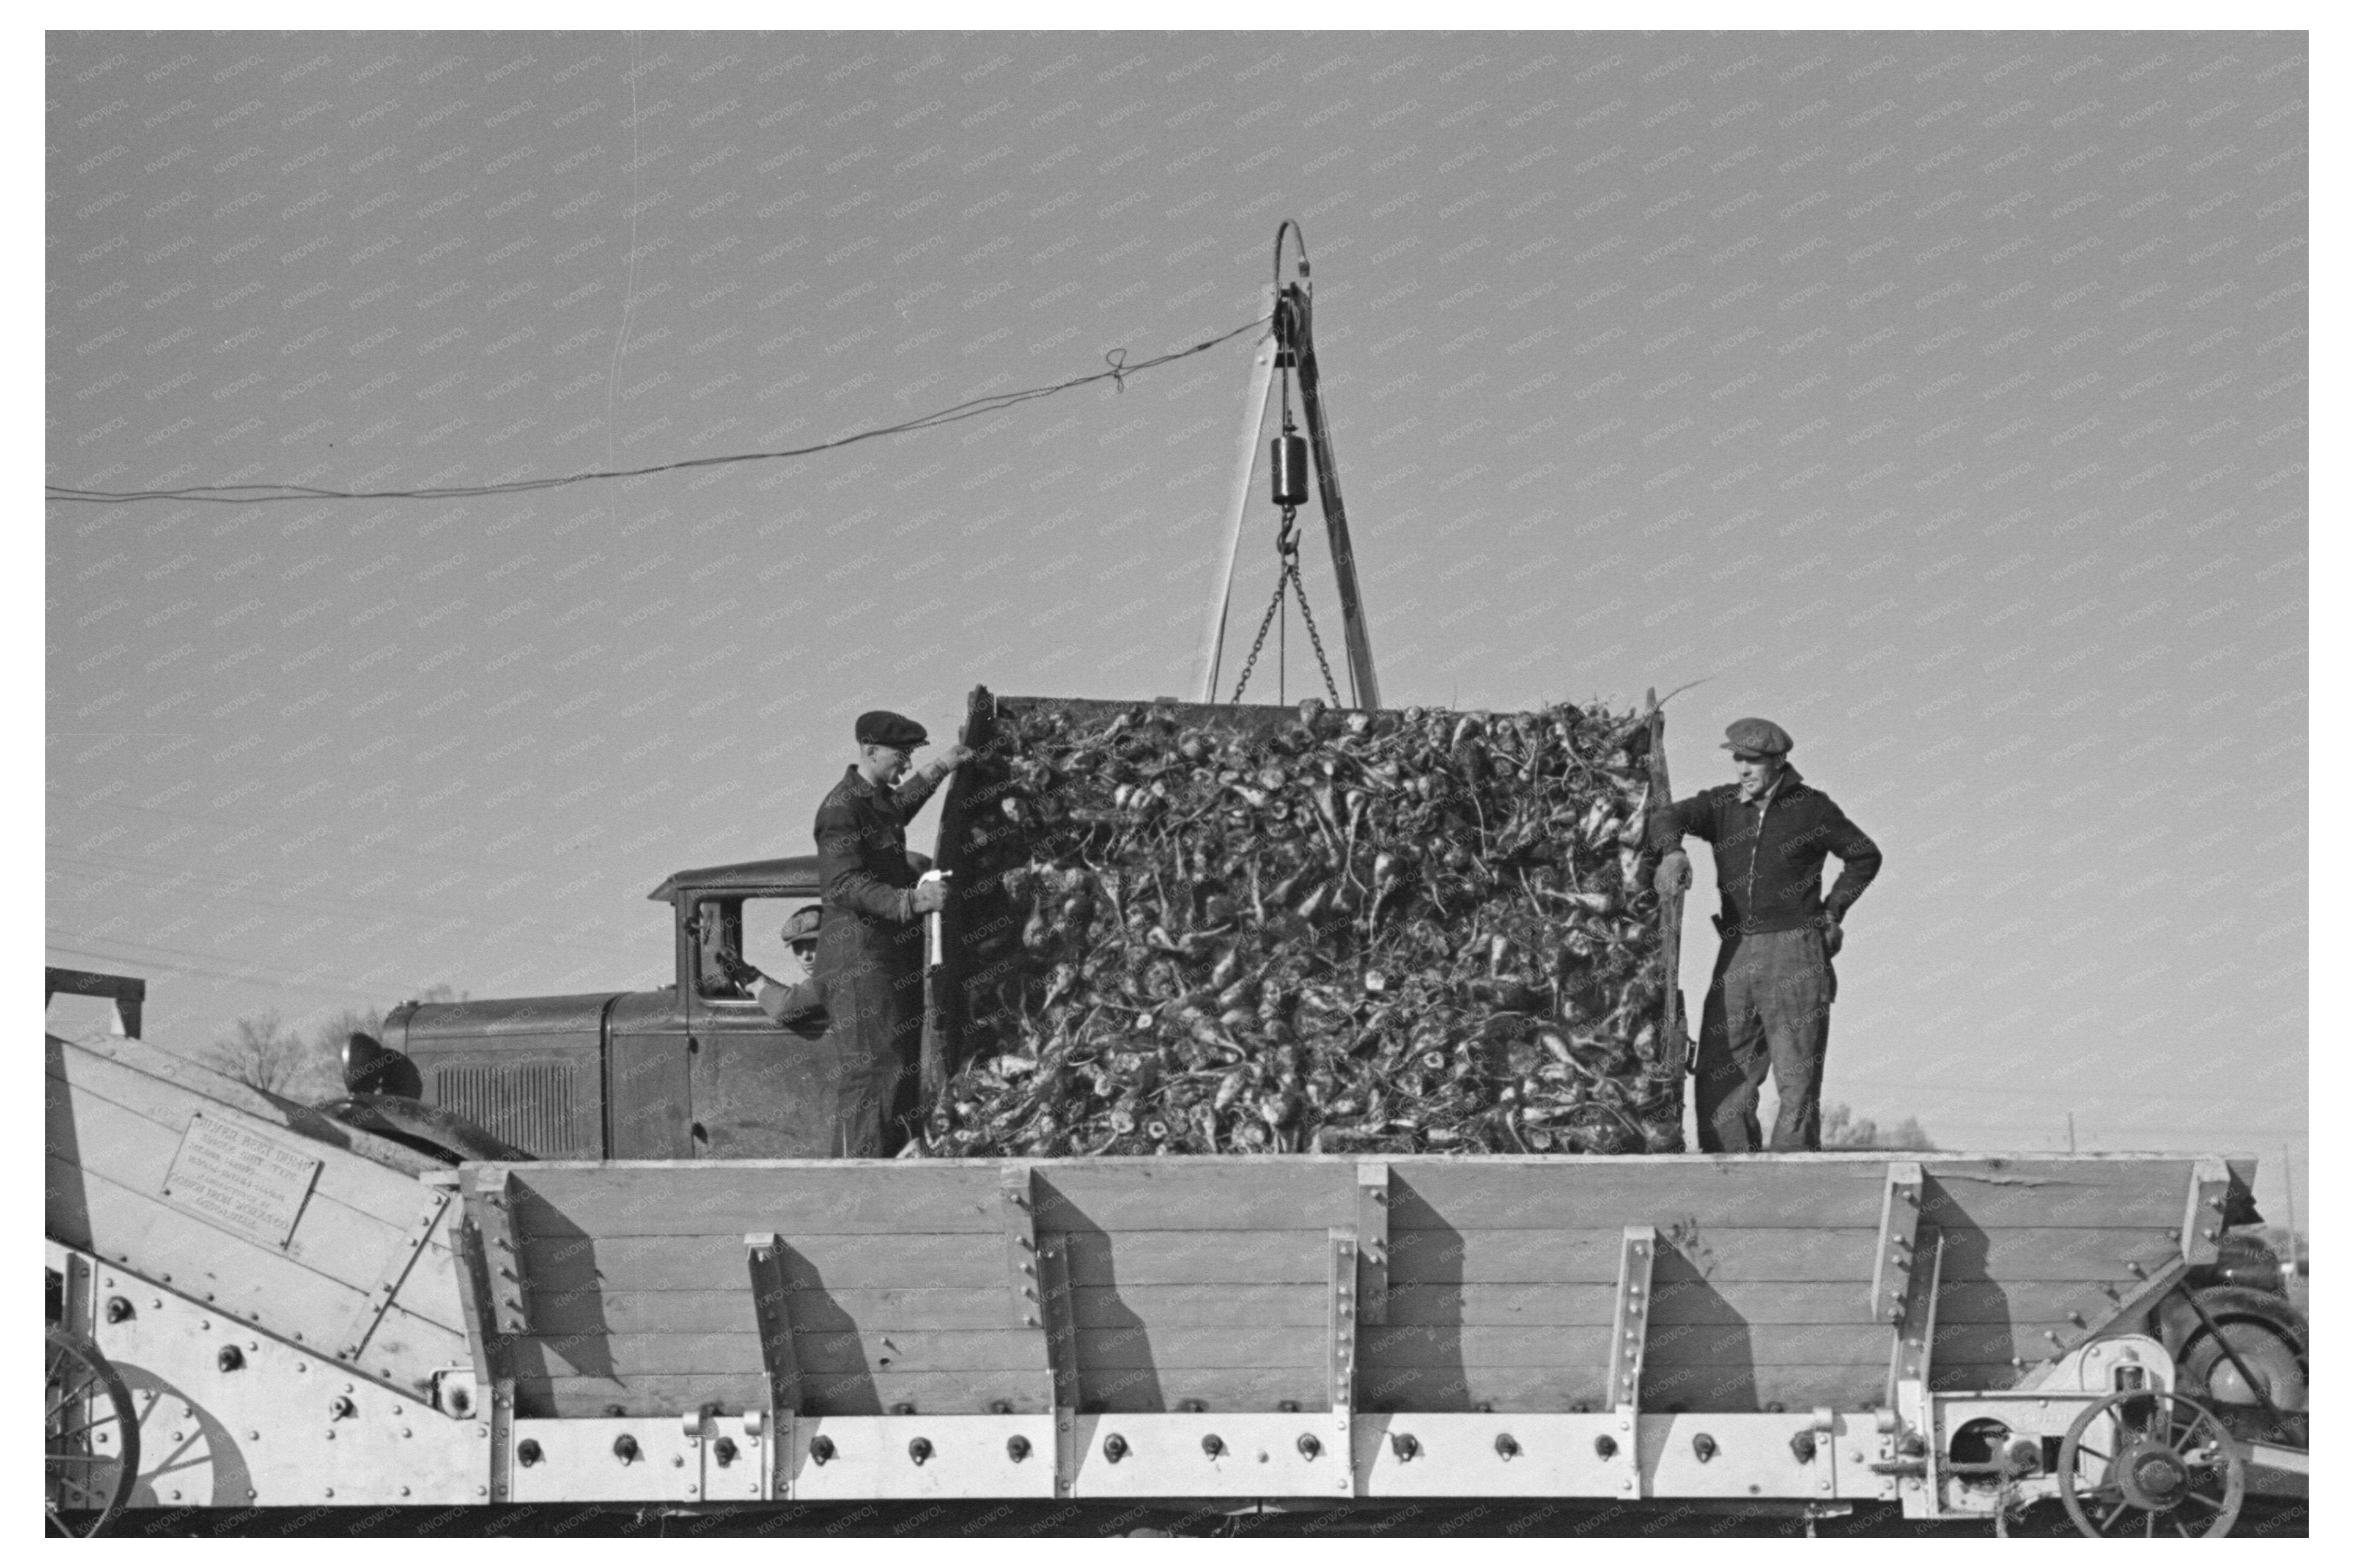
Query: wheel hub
{"type": "Point", "coordinates": [2152, 1477]}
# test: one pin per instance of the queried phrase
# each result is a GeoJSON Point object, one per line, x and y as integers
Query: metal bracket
{"type": "Point", "coordinates": [79, 1302]}
{"type": "Point", "coordinates": [489, 1203]}
{"type": "Point", "coordinates": [128, 994]}
{"type": "Point", "coordinates": [472, 1269]}
{"type": "Point", "coordinates": [1374, 1241]}
{"type": "Point", "coordinates": [1023, 1292]}
{"type": "Point", "coordinates": [1038, 1285]}
{"type": "Point", "coordinates": [1900, 1224]}
{"type": "Point", "coordinates": [1038, 1294]}
{"type": "Point", "coordinates": [1342, 1255]}
{"type": "Point", "coordinates": [1917, 1327]}
{"type": "Point", "coordinates": [404, 1258]}
{"type": "Point", "coordinates": [764, 1258]}
{"type": "Point", "coordinates": [2202, 1218]}
{"type": "Point", "coordinates": [502, 1424]}
{"type": "Point", "coordinates": [1630, 1321]}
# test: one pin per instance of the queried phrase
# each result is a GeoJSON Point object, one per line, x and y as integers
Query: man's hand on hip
{"type": "Point", "coordinates": [1834, 938]}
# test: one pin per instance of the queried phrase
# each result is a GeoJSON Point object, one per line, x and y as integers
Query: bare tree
{"type": "Point", "coordinates": [261, 1050]}
{"type": "Point", "coordinates": [305, 1064]}
{"type": "Point", "coordinates": [1843, 1129]}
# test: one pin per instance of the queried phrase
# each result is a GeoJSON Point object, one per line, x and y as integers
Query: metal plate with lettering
{"type": "Point", "coordinates": [240, 1180]}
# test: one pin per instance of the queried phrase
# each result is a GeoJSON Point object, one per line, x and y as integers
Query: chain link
{"type": "Point", "coordinates": [1287, 549]}
{"type": "Point", "coordinates": [1314, 642]}
{"type": "Point", "coordinates": [1267, 621]}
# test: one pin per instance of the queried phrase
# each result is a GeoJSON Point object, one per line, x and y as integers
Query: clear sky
{"type": "Point", "coordinates": [1941, 397]}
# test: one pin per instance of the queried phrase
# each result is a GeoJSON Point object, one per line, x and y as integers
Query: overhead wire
{"type": "Point", "coordinates": [176, 965]}
{"type": "Point", "coordinates": [1118, 369]}
{"type": "Point", "coordinates": [159, 875]}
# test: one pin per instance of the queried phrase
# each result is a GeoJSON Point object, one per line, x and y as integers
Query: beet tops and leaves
{"type": "Point", "coordinates": [1340, 932]}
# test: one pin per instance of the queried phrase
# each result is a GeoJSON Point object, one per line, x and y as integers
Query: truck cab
{"type": "Point", "coordinates": [689, 1070]}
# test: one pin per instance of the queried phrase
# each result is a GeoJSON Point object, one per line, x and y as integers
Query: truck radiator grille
{"type": "Point", "coordinates": [528, 1104]}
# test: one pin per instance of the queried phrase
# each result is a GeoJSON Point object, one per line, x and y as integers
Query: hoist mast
{"type": "Point", "coordinates": [1289, 351]}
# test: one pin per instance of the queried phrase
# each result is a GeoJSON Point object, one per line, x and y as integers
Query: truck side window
{"type": "Point", "coordinates": [764, 942]}
{"type": "Point", "coordinates": [719, 923]}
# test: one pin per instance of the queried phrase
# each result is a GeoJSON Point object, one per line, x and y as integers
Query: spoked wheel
{"type": "Point", "coordinates": [2153, 1464]}
{"type": "Point", "coordinates": [94, 1438]}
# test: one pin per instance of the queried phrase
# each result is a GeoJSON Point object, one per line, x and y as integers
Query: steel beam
{"type": "Point", "coordinates": [1630, 1321]}
{"type": "Point", "coordinates": [1211, 659]}
{"type": "Point", "coordinates": [490, 1205]}
{"type": "Point", "coordinates": [1900, 1227]}
{"type": "Point", "coordinates": [1038, 1297]}
{"type": "Point", "coordinates": [2202, 1217]}
{"type": "Point", "coordinates": [1374, 1241]}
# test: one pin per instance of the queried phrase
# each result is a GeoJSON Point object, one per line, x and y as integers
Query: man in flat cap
{"type": "Point", "coordinates": [870, 944]}
{"type": "Point", "coordinates": [1769, 1002]}
{"type": "Point", "coordinates": [782, 1001]}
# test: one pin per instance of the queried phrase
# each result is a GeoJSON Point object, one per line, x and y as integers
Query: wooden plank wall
{"type": "Point", "coordinates": [1204, 1279]}
{"type": "Point", "coordinates": [115, 1117]}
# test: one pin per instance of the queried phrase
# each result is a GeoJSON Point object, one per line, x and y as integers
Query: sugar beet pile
{"type": "Point", "coordinates": [1388, 932]}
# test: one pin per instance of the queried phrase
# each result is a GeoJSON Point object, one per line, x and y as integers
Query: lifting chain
{"type": "Point", "coordinates": [1287, 549]}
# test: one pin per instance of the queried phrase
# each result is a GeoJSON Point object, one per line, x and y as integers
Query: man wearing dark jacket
{"type": "Point", "coordinates": [870, 944]}
{"type": "Point", "coordinates": [1769, 1002]}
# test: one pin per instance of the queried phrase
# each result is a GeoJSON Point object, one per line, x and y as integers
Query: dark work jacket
{"type": "Point", "coordinates": [1769, 860]}
{"type": "Point", "coordinates": [870, 943]}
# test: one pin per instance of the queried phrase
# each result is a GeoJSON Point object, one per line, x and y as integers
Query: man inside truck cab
{"type": "Point", "coordinates": [1769, 1000]}
{"type": "Point", "coordinates": [782, 1001]}
{"type": "Point", "coordinates": [870, 947]}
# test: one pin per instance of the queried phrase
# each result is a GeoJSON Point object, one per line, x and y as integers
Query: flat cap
{"type": "Point", "coordinates": [802, 925]}
{"type": "Point", "coordinates": [884, 727]}
{"type": "Point", "coordinates": [1758, 734]}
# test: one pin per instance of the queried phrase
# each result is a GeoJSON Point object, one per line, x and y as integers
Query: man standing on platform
{"type": "Point", "coordinates": [870, 948]}
{"type": "Point", "coordinates": [1769, 1002]}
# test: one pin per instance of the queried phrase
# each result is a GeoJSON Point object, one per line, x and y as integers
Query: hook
{"type": "Point", "coordinates": [1300, 240]}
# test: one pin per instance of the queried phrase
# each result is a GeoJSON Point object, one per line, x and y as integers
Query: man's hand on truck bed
{"type": "Point", "coordinates": [1675, 874]}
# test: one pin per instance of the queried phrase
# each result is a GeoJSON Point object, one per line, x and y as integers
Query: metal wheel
{"type": "Point", "coordinates": [2151, 1464]}
{"type": "Point", "coordinates": [94, 1438]}
{"type": "Point", "coordinates": [2265, 1348]}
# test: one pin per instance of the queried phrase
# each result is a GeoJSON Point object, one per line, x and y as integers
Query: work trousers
{"type": "Point", "coordinates": [876, 1003]}
{"type": "Point", "coordinates": [867, 1109]}
{"type": "Point", "coordinates": [1769, 1006]}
